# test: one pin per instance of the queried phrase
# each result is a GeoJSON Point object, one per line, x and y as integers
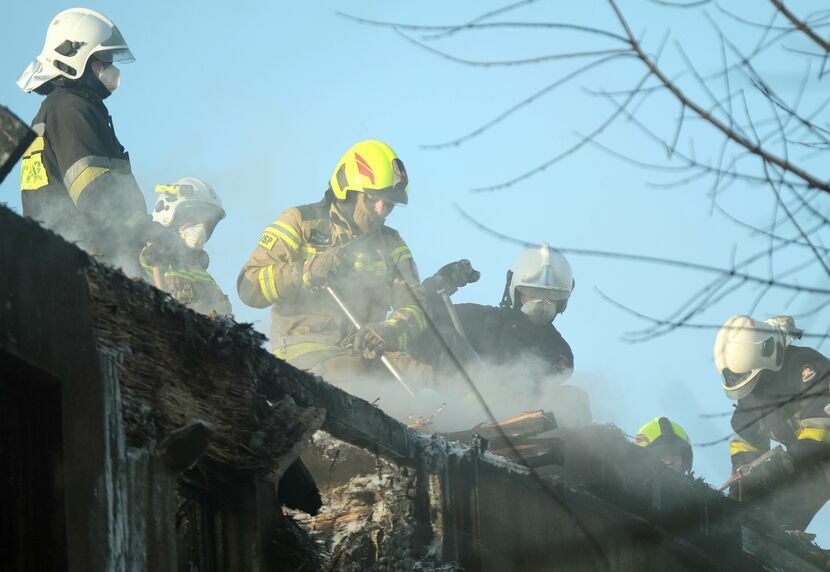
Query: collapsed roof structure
{"type": "Point", "coordinates": [136, 434]}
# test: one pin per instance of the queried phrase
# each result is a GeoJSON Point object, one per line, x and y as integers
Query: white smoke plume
{"type": "Point", "coordinates": [509, 389]}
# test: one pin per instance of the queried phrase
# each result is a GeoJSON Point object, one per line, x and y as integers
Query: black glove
{"type": "Point", "coordinates": [805, 452]}
{"type": "Point", "coordinates": [766, 476]}
{"type": "Point", "coordinates": [163, 246]}
{"type": "Point", "coordinates": [373, 339]}
{"type": "Point", "coordinates": [319, 267]}
{"type": "Point", "coordinates": [453, 276]}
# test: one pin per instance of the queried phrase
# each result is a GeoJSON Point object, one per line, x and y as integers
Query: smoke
{"type": "Point", "coordinates": [97, 228]}
{"type": "Point", "coordinates": [509, 389]}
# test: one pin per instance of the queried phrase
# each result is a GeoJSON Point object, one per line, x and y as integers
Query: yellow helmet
{"type": "Point", "coordinates": [371, 167]}
{"type": "Point", "coordinates": [662, 433]}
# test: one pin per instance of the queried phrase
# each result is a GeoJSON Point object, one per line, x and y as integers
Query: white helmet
{"type": "Point", "coordinates": [72, 38]}
{"type": "Point", "coordinates": [745, 347]}
{"type": "Point", "coordinates": [188, 201]}
{"type": "Point", "coordinates": [545, 274]}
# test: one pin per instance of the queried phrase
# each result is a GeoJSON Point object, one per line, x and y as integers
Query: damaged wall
{"type": "Point", "coordinates": [141, 388]}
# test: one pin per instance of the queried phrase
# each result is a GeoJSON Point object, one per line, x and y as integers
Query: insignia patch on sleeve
{"type": "Point", "coordinates": [808, 373]}
{"type": "Point", "coordinates": [267, 241]}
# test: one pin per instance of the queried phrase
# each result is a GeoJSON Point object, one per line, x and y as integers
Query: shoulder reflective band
{"type": "Point", "coordinates": [282, 230]}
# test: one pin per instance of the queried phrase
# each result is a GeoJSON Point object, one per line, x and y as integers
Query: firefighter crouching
{"type": "Point", "coordinates": [782, 394]}
{"type": "Point", "coordinates": [519, 333]}
{"type": "Point", "coordinates": [669, 442]}
{"type": "Point", "coordinates": [340, 242]}
{"type": "Point", "coordinates": [190, 209]}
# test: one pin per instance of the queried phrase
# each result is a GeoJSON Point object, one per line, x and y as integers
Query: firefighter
{"type": "Point", "coordinates": [76, 176]}
{"type": "Point", "coordinates": [341, 242]}
{"type": "Point", "coordinates": [537, 290]}
{"type": "Point", "coordinates": [515, 341]}
{"type": "Point", "coordinates": [782, 395]}
{"type": "Point", "coordinates": [191, 209]}
{"type": "Point", "coordinates": [669, 442]}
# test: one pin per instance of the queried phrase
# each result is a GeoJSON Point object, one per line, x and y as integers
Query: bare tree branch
{"type": "Point", "coordinates": [523, 103]}
{"type": "Point", "coordinates": [806, 29]}
{"type": "Point", "coordinates": [650, 259]}
{"type": "Point", "coordinates": [730, 133]}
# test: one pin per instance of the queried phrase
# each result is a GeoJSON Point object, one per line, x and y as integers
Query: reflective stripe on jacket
{"type": "Point", "coordinates": [377, 274]}
{"type": "Point", "coordinates": [76, 173]}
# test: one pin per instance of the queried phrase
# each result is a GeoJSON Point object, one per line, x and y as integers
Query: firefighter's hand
{"type": "Point", "coordinates": [155, 254]}
{"type": "Point", "coordinates": [166, 248]}
{"type": "Point", "coordinates": [319, 267]}
{"type": "Point", "coordinates": [454, 275]}
{"type": "Point", "coordinates": [805, 452]}
{"type": "Point", "coordinates": [373, 339]}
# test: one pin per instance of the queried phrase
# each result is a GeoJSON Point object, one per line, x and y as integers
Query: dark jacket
{"type": "Point", "coordinates": [76, 176]}
{"type": "Point", "coordinates": [503, 334]}
{"type": "Point", "coordinates": [787, 406]}
{"type": "Point", "coordinates": [497, 334]}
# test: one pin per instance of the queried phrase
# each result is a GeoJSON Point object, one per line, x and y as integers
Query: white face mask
{"type": "Point", "coordinates": [539, 311]}
{"type": "Point", "coordinates": [110, 77]}
{"type": "Point", "coordinates": [194, 236]}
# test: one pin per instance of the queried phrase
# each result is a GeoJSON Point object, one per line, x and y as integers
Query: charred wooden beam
{"type": "Point", "coordinates": [15, 138]}
{"type": "Point", "coordinates": [525, 425]}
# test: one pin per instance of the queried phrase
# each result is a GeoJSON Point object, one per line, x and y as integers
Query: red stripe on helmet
{"type": "Point", "coordinates": [363, 168]}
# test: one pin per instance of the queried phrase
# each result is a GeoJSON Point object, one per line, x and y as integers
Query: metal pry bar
{"type": "Point", "coordinates": [385, 360]}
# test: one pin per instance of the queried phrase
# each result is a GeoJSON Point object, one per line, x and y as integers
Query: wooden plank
{"type": "Point", "coordinates": [525, 425]}
{"type": "Point", "coordinates": [15, 138]}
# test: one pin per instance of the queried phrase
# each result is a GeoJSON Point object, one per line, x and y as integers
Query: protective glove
{"type": "Point", "coordinates": [756, 481]}
{"type": "Point", "coordinates": [373, 339]}
{"type": "Point", "coordinates": [319, 267]}
{"type": "Point", "coordinates": [806, 452]}
{"type": "Point", "coordinates": [453, 276]}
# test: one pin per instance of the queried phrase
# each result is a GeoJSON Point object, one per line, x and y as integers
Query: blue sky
{"type": "Point", "coordinates": [261, 98]}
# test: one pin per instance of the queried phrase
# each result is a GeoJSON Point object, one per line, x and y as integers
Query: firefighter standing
{"type": "Point", "coordinates": [340, 242]}
{"type": "Point", "coordinates": [76, 176]}
{"type": "Point", "coordinates": [191, 209]}
{"type": "Point", "coordinates": [783, 395]}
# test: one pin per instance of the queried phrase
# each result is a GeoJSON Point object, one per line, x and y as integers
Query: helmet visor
{"type": "Point", "coordinates": [732, 380]}
{"type": "Point", "coordinates": [122, 55]}
{"type": "Point", "coordinates": [543, 292]}
{"type": "Point", "coordinates": [398, 192]}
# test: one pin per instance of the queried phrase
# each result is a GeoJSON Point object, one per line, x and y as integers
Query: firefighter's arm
{"type": "Point", "coordinates": [813, 432]}
{"type": "Point", "coordinates": [408, 318]}
{"type": "Point", "coordinates": [101, 186]}
{"type": "Point", "coordinates": [275, 269]}
{"type": "Point", "coordinates": [749, 442]}
{"type": "Point", "coordinates": [408, 298]}
{"type": "Point", "coordinates": [560, 354]}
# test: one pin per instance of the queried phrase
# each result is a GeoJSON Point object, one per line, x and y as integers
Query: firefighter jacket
{"type": "Point", "coordinates": [788, 406]}
{"type": "Point", "coordinates": [76, 177]}
{"type": "Point", "coordinates": [186, 279]}
{"type": "Point", "coordinates": [377, 274]}
{"type": "Point", "coordinates": [503, 335]}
